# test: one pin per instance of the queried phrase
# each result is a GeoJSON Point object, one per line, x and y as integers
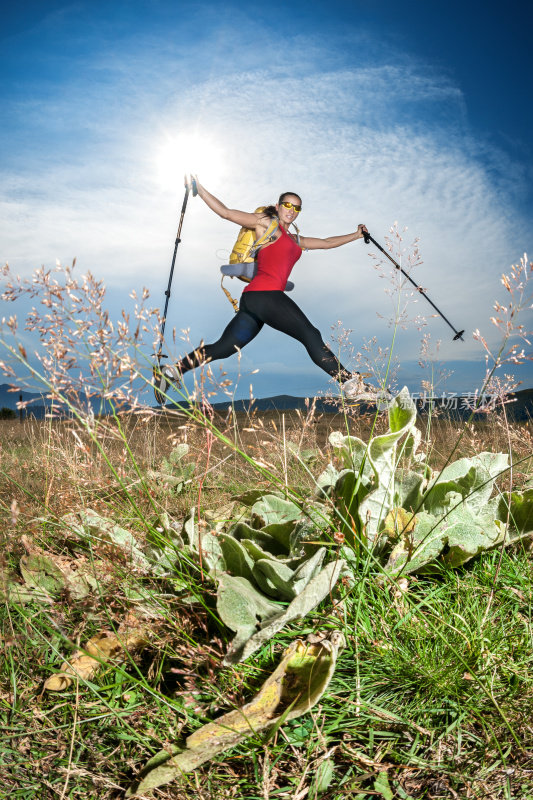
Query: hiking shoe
{"type": "Point", "coordinates": [165, 377]}
{"type": "Point", "coordinates": [357, 389]}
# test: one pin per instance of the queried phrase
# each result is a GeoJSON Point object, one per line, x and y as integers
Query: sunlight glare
{"type": "Point", "coordinates": [189, 154]}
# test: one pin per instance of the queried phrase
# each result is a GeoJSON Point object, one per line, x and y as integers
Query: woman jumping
{"type": "Point", "coordinates": [264, 302]}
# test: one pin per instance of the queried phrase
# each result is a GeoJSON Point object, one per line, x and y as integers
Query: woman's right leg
{"type": "Point", "coordinates": [240, 331]}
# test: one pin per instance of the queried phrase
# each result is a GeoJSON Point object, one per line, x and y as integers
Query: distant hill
{"type": "Point", "coordinates": [280, 402]}
{"type": "Point", "coordinates": [454, 406]}
{"type": "Point", "coordinates": [523, 407]}
{"type": "Point", "coordinates": [9, 399]}
{"type": "Point", "coordinates": [39, 405]}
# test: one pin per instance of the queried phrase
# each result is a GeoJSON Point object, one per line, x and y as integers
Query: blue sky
{"type": "Point", "coordinates": [378, 112]}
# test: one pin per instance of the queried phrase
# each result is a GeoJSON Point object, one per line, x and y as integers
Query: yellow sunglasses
{"type": "Point", "coordinates": [289, 205]}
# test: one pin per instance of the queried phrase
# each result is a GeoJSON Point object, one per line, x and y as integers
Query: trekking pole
{"type": "Point", "coordinates": [458, 334]}
{"type": "Point", "coordinates": [190, 185]}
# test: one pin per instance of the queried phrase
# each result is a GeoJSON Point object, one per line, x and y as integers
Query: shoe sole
{"type": "Point", "coordinates": [381, 399]}
{"type": "Point", "coordinates": [160, 386]}
{"type": "Point", "coordinates": [162, 383]}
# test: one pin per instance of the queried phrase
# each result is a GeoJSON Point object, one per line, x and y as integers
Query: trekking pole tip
{"type": "Point", "coordinates": [458, 335]}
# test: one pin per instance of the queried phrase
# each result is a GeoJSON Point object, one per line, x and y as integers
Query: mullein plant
{"type": "Point", "coordinates": [377, 513]}
{"type": "Point", "coordinates": [284, 556]}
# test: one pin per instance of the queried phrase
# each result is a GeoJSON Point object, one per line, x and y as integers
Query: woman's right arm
{"type": "Point", "coordinates": [242, 218]}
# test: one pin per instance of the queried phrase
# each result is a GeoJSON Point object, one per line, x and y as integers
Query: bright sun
{"type": "Point", "coordinates": [188, 154]}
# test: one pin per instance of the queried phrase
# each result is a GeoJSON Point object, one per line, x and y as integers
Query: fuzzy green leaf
{"type": "Point", "coordinates": [452, 540]}
{"type": "Point", "coordinates": [373, 511]}
{"type": "Point", "coordinates": [305, 535]}
{"type": "Point", "coordinates": [473, 478]}
{"type": "Point", "coordinates": [307, 570]}
{"type": "Point", "coordinates": [274, 578]}
{"type": "Point", "coordinates": [263, 540]}
{"type": "Point", "coordinates": [315, 591]}
{"type": "Point", "coordinates": [236, 557]}
{"type": "Point", "coordinates": [468, 535]}
{"type": "Point", "coordinates": [382, 456]}
{"type": "Point", "coordinates": [350, 491]}
{"type": "Point", "coordinates": [250, 497]}
{"type": "Point", "coordinates": [13, 592]}
{"type": "Point", "coordinates": [421, 546]}
{"type": "Point", "coordinates": [308, 457]}
{"type": "Point", "coordinates": [402, 412]}
{"type": "Point", "coordinates": [281, 532]}
{"type": "Point", "coordinates": [254, 550]}
{"type": "Point", "coordinates": [280, 579]}
{"type": "Point", "coordinates": [347, 447]}
{"type": "Point", "coordinates": [520, 511]}
{"type": "Point", "coordinates": [408, 489]}
{"type": "Point", "coordinates": [41, 572]}
{"type": "Point", "coordinates": [212, 556]}
{"type": "Point", "coordinates": [243, 608]}
{"type": "Point", "coordinates": [273, 510]}
{"type": "Point", "coordinates": [326, 481]}
{"type": "Point", "coordinates": [353, 452]}
{"type": "Point", "coordinates": [80, 584]}
{"type": "Point", "coordinates": [294, 687]}
{"type": "Point", "coordinates": [179, 452]}
{"type": "Point", "coordinates": [412, 443]}
{"type": "Point", "coordinates": [90, 524]}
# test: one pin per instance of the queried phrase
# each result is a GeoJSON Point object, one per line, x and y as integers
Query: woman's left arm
{"type": "Point", "coordinates": [309, 243]}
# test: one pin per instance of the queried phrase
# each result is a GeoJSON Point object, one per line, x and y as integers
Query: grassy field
{"type": "Point", "coordinates": [431, 697]}
{"type": "Point", "coordinates": [158, 571]}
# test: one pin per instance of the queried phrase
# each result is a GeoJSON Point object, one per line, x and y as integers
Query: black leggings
{"type": "Point", "coordinates": [272, 308]}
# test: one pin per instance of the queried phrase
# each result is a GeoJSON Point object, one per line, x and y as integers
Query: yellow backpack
{"type": "Point", "coordinates": [246, 245]}
{"type": "Point", "coordinates": [242, 259]}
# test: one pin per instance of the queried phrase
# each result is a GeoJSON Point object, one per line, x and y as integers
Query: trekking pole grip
{"type": "Point", "coordinates": [190, 184]}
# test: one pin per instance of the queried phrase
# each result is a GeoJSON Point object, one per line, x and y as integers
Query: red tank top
{"type": "Point", "coordinates": [274, 264]}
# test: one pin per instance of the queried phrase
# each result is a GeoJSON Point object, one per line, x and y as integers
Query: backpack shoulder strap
{"type": "Point", "coordinates": [296, 228]}
{"type": "Point", "coordinates": [267, 236]}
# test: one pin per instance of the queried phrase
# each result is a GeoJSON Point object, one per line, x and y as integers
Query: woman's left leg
{"type": "Point", "coordinates": [282, 313]}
